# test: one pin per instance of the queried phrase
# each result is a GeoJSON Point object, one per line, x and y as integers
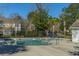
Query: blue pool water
{"type": "Point", "coordinates": [32, 42]}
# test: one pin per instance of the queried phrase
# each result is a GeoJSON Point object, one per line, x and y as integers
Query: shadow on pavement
{"type": "Point", "coordinates": [10, 49]}
{"type": "Point", "coordinates": [75, 52]}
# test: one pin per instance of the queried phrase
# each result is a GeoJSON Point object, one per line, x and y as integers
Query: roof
{"type": "Point", "coordinates": [10, 21]}
{"type": "Point", "coordinates": [76, 23]}
{"type": "Point", "coordinates": [6, 20]}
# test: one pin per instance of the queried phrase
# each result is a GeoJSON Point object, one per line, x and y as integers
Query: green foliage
{"type": "Point", "coordinates": [31, 34]}
{"type": "Point", "coordinates": [62, 27]}
{"type": "Point", "coordinates": [22, 32]}
{"type": "Point", "coordinates": [39, 19]}
{"type": "Point", "coordinates": [52, 21]}
{"type": "Point", "coordinates": [70, 14]}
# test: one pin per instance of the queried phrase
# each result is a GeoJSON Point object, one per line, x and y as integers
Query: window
{"type": "Point", "coordinates": [7, 32]}
{"type": "Point", "coordinates": [1, 24]}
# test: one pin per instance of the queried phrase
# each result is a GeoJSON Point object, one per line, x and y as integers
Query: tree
{"type": "Point", "coordinates": [70, 14]}
{"type": "Point", "coordinates": [54, 25]}
{"type": "Point", "coordinates": [39, 18]}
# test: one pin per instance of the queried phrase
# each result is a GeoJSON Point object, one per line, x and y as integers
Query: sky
{"type": "Point", "coordinates": [7, 9]}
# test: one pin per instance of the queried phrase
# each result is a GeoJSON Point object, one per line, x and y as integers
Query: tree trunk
{"type": "Point", "coordinates": [64, 29]}
{"type": "Point", "coordinates": [53, 30]}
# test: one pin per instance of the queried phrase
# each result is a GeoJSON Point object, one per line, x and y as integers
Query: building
{"type": "Point", "coordinates": [75, 31]}
{"type": "Point", "coordinates": [9, 26]}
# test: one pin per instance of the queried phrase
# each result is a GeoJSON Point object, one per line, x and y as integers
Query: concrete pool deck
{"type": "Point", "coordinates": [61, 49]}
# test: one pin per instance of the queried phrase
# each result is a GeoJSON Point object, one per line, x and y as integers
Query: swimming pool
{"type": "Point", "coordinates": [32, 41]}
